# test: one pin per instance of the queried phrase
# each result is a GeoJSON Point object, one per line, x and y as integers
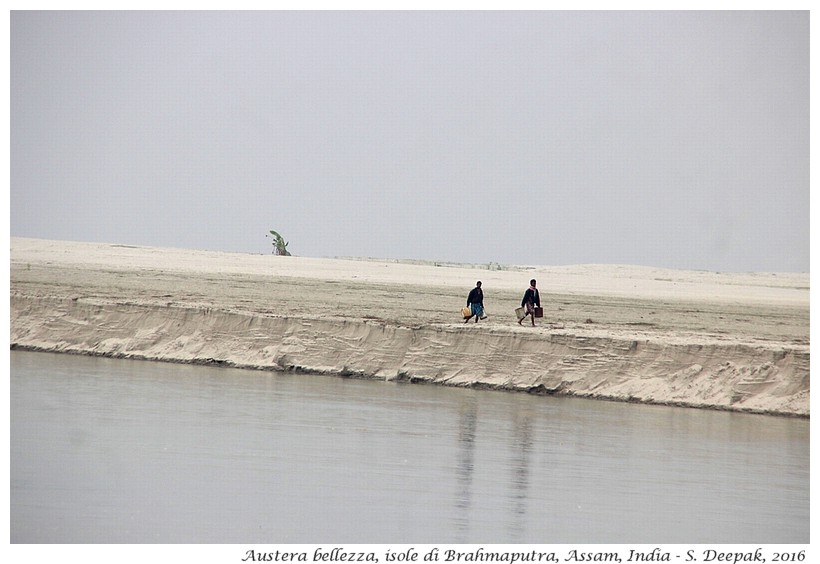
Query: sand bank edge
{"type": "Point", "coordinates": [738, 378]}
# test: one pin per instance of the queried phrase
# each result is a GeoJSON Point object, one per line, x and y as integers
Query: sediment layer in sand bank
{"type": "Point", "coordinates": [698, 339]}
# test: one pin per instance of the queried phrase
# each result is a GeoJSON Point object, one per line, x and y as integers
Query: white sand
{"type": "Point", "coordinates": [690, 338]}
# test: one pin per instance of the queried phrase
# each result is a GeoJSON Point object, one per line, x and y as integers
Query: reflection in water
{"type": "Point", "coordinates": [522, 442]}
{"type": "Point", "coordinates": [515, 460]}
{"type": "Point", "coordinates": [123, 451]}
{"type": "Point", "coordinates": [467, 420]}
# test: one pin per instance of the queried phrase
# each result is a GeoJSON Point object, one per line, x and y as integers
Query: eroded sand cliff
{"type": "Point", "coordinates": [698, 339]}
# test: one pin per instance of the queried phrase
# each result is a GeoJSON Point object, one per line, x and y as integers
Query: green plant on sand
{"type": "Point", "coordinates": [280, 246]}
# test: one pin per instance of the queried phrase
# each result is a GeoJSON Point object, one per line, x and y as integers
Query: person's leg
{"type": "Point", "coordinates": [475, 310]}
{"type": "Point", "coordinates": [527, 311]}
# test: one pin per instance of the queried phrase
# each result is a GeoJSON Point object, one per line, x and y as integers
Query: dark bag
{"type": "Point", "coordinates": [539, 311]}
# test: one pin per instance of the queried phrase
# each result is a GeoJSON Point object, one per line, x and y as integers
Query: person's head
{"type": "Point", "coordinates": [532, 282]}
{"type": "Point", "coordinates": [478, 284]}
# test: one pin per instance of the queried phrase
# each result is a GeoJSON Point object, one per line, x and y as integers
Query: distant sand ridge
{"type": "Point", "coordinates": [698, 339]}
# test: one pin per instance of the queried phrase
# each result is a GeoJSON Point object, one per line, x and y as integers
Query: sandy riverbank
{"type": "Point", "coordinates": [689, 338]}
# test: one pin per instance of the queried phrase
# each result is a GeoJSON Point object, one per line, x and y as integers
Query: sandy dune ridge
{"type": "Point", "coordinates": [687, 338]}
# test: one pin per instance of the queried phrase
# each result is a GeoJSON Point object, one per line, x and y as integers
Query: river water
{"type": "Point", "coordinates": [116, 451]}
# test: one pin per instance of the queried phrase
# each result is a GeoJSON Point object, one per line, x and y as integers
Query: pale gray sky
{"type": "Point", "coordinates": [673, 139]}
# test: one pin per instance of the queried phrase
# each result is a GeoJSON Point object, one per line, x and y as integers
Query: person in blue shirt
{"type": "Point", "coordinates": [475, 301]}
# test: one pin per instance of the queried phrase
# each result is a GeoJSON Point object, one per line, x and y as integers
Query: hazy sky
{"type": "Point", "coordinates": [673, 139]}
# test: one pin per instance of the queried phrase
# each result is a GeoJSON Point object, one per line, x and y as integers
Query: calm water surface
{"type": "Point", "coordinates": [125, 451]}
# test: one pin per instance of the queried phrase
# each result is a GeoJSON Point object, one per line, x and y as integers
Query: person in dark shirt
{"type": "Point", "coordinates": [530, 302]}
{"type": "Point", "coordinates": [475, 301]}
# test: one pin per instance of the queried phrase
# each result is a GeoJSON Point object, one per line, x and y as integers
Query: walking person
{"type": "Point", "coordinates": [531, 300]}
{"type": "Point", "coordinates": [475, 301]}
